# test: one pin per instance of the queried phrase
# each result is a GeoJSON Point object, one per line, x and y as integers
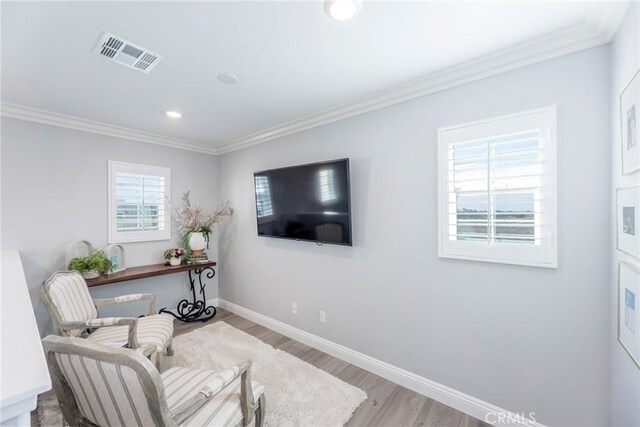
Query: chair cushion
{"type": "Point", "coordinates": [156, 329]}
{"type": "Point", "coordinates": [224, 409]}
{"type": "Point", "coordinates": [70, 296]}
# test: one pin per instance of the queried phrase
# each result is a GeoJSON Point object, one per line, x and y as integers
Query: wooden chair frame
{"type": "Point", "coordinates": [150, 380]}
{"type": "Point", "coordinates": [63, 328]}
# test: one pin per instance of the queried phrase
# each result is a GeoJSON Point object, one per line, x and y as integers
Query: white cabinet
{"type": "Point", "coordinates": [23, 369]}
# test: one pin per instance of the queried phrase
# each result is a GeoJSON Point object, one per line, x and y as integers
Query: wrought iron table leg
{"type": "Point", "coordinates": [195, 310]}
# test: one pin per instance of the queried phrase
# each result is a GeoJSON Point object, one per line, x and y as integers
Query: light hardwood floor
{"type": "Point", "coordinates": [388, 404]}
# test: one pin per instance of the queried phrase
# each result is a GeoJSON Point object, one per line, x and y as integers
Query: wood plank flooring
{"type": "Point", "coordinates": [388, 404]}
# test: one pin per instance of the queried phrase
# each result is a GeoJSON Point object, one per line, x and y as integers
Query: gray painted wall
{"type": "Point", "coordinates": [625, 375]}
{"type": "Point", "coordinates": [54, 191]}
{"type": "Point", "coordinates": [526, 339]}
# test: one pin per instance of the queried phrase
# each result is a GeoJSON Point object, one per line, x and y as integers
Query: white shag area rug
{"type": "Point", "coordinates": [297, 393]}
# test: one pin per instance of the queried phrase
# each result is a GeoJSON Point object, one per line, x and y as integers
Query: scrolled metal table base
{"type": "Point", "coordinates": [195, 310]}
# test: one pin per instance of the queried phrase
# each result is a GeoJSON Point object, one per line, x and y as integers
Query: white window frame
{"type": "Point", "coordinates": [327, 186]}
{"type": "Point", "coordinates": [544, 254]}
{"type": "Point", "coordinates": [115, 236]}
{"type": "Point", "coordinates": [263, 198]}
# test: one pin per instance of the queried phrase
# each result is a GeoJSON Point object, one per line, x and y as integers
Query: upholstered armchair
{"type": "Point", "coordinates": [108, 386]}
{"type": "Point", "coordinates": [329, 232]}
{"type": "Point", "coordinates": [75, 314]}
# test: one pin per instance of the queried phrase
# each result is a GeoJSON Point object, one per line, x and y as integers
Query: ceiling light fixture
{"type": "Point", "coordinates": [229, 79]}
{"type": "Point", "coordinates": [173, 114]}
{"type": "Point", "coordinates": [342, 10]}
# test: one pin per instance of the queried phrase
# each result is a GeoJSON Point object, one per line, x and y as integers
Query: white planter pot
{"type": "Point", "coordinates": [197, 243]}
{"type": "Point", "coordinates": [90, 274]}
{"type": "Point", "coordinates": [175, 261]}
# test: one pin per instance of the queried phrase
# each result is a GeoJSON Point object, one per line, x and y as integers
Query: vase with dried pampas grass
{"type": "Point", "coordinates": [196, 223]}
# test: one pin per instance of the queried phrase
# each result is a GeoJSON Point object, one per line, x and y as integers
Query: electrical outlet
{"type": "Point", "coordinates": [322, 317]}
{"type": "Point", "coordinates": [294, 308]}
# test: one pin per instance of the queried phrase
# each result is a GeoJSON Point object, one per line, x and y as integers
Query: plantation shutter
{"type": "Point", "coordinates": [327, 185]}
{"type": "Point", "coordinates": [494, 189]}
{"type": "Point", "coordinates": [140, 202]}
{"type": "Point", "coordinates": [498, 190]}
{"type": "Point", "coordinates": [138, 207]}
{"type": "Point", "coordinates": [263, 197]}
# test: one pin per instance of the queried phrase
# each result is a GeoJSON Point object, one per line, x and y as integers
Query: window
{"type": "Point", "coordinates": [497, 190]}
{"type": "Point", "coordinates": [263, 197]}
{"type": "Point", "coordinates": [327, 185]}
{"type": "Point", "coordinates": [137, 205]}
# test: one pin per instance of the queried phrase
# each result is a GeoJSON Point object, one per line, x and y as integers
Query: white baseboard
{"type": "Point", "coordinates": [462, 402]}
{"type": "Point", "coordinates": [214, 302]}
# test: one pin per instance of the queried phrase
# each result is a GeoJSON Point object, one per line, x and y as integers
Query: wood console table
{"type": "Point", "coordinates": [195, 310]}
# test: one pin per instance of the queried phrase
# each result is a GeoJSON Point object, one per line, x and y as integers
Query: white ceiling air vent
{"type": "Point", "coordinates": [127, 53]}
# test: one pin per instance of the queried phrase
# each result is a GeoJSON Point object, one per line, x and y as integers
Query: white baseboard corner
{"type": "Point", "coordinates": [214, 302]}
{"type": "Point", "coordinates": [462, 402]}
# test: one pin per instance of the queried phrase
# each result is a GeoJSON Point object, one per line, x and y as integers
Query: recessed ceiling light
{"type": "Point", "coordinates": [229, 79]}
{"type": "Point", "coordinates": [173, 114]}
{"type": "Point", "coordinates": [342, 10]}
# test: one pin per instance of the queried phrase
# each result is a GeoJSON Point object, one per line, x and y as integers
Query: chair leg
{"type": "Point", "coordinates": [170, 349]}
{"type": "Point", "coordinates": [158, 360]}
{"type": "Point", "coordinates": [260, 411]}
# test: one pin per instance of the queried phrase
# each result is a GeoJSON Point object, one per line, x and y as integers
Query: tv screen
{"type": "Point", "coordinates": [306, 202]}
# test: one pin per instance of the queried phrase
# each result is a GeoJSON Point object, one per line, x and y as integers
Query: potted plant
{"type": "Point", "coordinates": [196, 225]}
{"type": "Point", "coordinates": [174, 256]}
{"type": "Point", "coordinates": [91, 266]}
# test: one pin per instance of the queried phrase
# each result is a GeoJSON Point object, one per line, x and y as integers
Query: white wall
{"type": "Point", "coordinates": [625, 375]}
{"type": "Point", "coordinates": [526, 339]}
{"type": "Point", "coordinates": [54, 191]}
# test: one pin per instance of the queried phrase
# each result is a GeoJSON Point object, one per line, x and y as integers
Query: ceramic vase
{"type": "Point", "coordinates": [197, 244]}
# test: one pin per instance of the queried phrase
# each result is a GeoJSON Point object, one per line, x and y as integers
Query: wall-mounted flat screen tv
{"type": "Point", "coordinates": [307, 202]}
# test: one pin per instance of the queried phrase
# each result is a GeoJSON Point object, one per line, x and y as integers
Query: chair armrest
{"type": "Point", "coordinates": [104, 321]}
{"type": "Point", "coordinates": [128, 298]}
{"type": "Point", "coordinates": [131, 322]}
{"type": "Point", "coordinates": [147, 350]}
{"type": "Point", "coordinates": [215, 386]}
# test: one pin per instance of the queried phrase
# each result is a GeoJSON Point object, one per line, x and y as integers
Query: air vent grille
{"type": "Point", "coordinates": [127, 53]}
{"type": "Point", "coordinates": [110, 47]}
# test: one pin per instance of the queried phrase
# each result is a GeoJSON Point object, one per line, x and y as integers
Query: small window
{"type": "Point", "coordinates": [263, 197]}
{"type": "Point", "coordinates": [497, 190]}
{"type": "Point", "coordinates": [138, 209]}
{"type": "Point", "coordinates": [327, 185]}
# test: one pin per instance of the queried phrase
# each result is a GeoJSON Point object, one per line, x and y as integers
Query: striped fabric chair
{"type": "Point", "coordinates": [107, 386]}
{"type": "Point", "coordinates": [74, 313]}
{"type": "Point", "coordinates": [329, 232]}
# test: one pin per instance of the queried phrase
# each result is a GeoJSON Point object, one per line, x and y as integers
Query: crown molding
{"type": "Point", "coordinates": [607, 18]}
{"type": "Point", "coordinates": [600, 26]}
{"type": "Point", "coordinates": [36, 115]}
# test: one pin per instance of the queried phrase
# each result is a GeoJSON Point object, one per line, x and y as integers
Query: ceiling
{"type": "Point", "coordinates": [294, 62]}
